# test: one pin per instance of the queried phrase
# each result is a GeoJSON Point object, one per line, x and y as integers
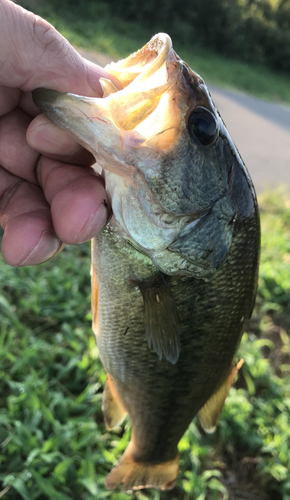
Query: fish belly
{"type": "Point", "coordinates": [161, 398]}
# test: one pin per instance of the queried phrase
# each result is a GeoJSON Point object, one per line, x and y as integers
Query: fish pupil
{"type": "Point", "coordinates": [202, 126]}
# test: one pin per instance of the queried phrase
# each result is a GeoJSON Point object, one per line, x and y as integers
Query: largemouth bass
{"type": "Point", "coordinates": [175, 269]}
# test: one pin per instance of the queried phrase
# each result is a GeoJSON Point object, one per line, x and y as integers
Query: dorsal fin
{"type": "Point", "coordinates": [161, 320]}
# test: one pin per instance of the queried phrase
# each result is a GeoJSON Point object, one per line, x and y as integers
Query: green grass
{"type": "Point", "coordinates": [95, 29]}
{"type": "Point", "coordinates": [53, 442]}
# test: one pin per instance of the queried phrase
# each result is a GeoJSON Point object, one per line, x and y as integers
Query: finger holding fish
{"type": "Point", "coordinates": [43, 136]}
{"type": "Point", "coordinates": [25, 209]}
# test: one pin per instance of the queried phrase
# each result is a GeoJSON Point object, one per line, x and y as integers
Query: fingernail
{"type": "Point", "coordinates": [48, 138]}
{"type": "Point", "coordinates": [95, 73]}
{"type": "Point", "coordinates": [96, 222]}
{"type": "Point", "coordinates": [48, 246]}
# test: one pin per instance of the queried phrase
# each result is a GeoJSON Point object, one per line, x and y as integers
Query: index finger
{"type": "Point", "coordinates": [35, 55]}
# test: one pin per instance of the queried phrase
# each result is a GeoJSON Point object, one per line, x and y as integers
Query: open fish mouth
{"type": "Point", "coordinates": [122, 118]}
{"type": "Point", "coordinates": [145, 77]}
{"type": "Point", "coordinates": [157, 140]}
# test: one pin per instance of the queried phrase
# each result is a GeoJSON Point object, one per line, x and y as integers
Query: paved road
{"type": "Point", "coordinates": [261, 131]}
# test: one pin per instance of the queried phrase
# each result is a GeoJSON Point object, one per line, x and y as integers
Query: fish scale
{"type": "Point", "coordinates": [206, 347]}
{"type": "Point", "coordinates": [174, 272]}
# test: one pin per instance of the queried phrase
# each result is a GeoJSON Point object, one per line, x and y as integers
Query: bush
{"type": "Point", "coordinates": [250, 30]}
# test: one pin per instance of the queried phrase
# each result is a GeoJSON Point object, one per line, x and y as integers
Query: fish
{"type": "Point", "coordinates": [174, 271]}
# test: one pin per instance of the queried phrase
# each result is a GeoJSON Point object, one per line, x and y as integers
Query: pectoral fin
{"type": "Point", "coordinates": [161, 320]}
{"type": "Point", "coordinates": [113, 411]}
{"type": "Point", "coordinates": [210, 412]}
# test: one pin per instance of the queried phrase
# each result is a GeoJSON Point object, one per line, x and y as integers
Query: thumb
{"type": "Point", "coordinates": [34, 54]}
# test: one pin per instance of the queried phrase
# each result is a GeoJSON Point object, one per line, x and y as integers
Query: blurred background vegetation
{"type": "Point", "coordinates": [235, 43]}
{"type": "Point", "coordinates": [251, 30]}
{"type": "Point", "coordinates": [53, 442]}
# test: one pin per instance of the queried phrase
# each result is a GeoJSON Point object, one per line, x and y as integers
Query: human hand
{"type": "Point", "coordinates": [53, 197]}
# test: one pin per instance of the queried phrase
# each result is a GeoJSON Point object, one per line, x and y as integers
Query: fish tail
{"type": "Point", "coordinates": [136, 475]}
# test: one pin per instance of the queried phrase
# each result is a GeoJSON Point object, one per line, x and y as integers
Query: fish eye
{"type": "Point", "coordinates": [202, 126]}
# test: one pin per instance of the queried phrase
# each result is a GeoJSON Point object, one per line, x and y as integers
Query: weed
{"type": "Point", "coordinates": [53, 443]}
